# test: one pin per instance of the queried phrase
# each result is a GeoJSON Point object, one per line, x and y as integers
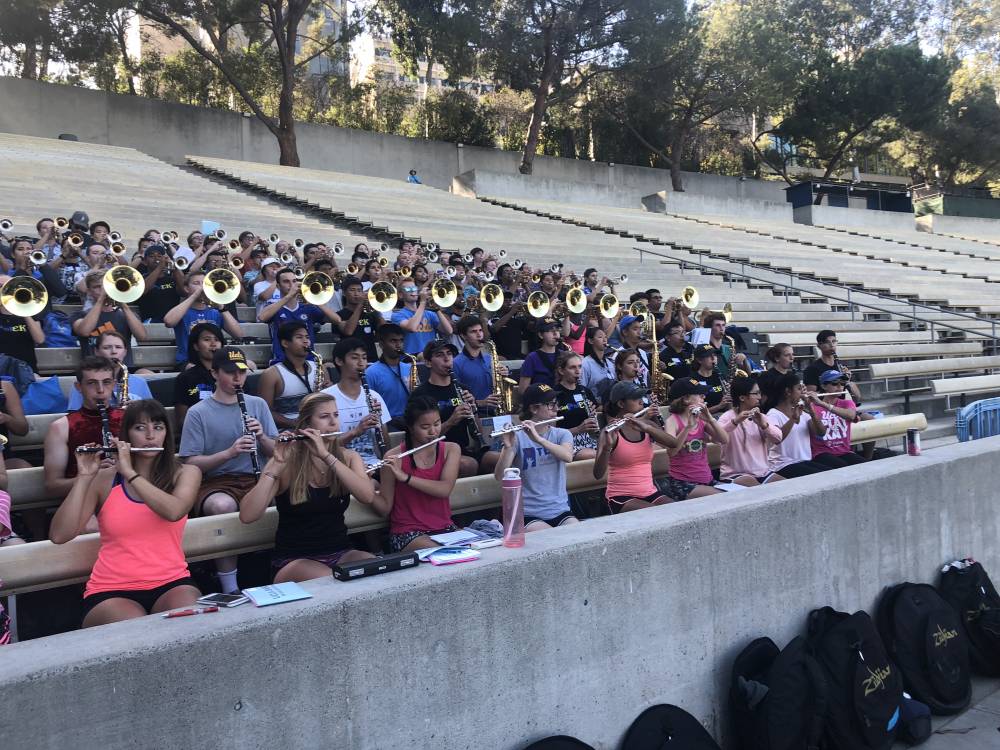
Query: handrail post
{"type": "Point", "coordinates": [850, 305]}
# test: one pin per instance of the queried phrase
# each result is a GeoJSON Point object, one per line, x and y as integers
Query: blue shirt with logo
{"type": "Point", "coordinates": [306, 313]}
{"type": "Point", "coordinates": [182, 330]}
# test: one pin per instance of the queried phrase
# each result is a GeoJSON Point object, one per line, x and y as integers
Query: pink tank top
{"type": "Point", "coordinates": [139, 549]}
{"type": "Point", "coordinates": [630, 468]}
{"type": "Point", "coordinates": [690, 463]}
{"type": "Point", "coordinates": [577, 344]}
{"type": "Point", "coordinates": [413, 510]}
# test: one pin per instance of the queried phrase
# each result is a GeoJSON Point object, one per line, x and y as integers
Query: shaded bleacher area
{"type": "Point", "coordinates": [905, 359]}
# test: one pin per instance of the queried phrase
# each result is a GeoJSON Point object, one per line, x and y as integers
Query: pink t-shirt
{"type": "Point", "coordinates": [690, 463]}
{"type": "Point", "coordinates": [630, 468]}
{"type": "Point", "coordinates": [746, 451]}
{"type": "Point", "coordinates": [413, 510]}
{"type": "Point", "coordinates": [837, 438]}
{"type": "Point", "coordinates": [577, 344]}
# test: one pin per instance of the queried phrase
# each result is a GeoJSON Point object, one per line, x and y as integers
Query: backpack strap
{"type": "Point", "coordinates": [817, 722]}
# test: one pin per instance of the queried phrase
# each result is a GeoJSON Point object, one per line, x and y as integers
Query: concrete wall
{"type": "Point", "coordinates": [697, 204]}
{"type": "Point", "coordinates": [862, 218]}
{"type": "Point", "coordinates": [577, 632]}
{"type": "Point", "coordinates": [171, 131]}
{"type": "Point", "coordinates": [967, 226]}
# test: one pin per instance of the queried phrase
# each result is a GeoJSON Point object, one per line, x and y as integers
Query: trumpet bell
{"type": "Point", "coordinates": [432, 247]}
{"type": "Point", "coordinates": [468, 258]}
{"type": "Point", "coordinates": [576, 301]}
{"type": "Point", "coordinates": [690, 297]}
{"type": "Point", "coordinates": [300, 273]}
{"type": "Point", "coordinates": [6, 225]}
{"type": "Point", "coordinates": [124, 284]}
{"type": "Point", "coordinates": [491, 297]}
{"type": "Point", "coordinates": [273, 237]}
{"type": "Point", "coordinates": [727, 310]}
{"type": "Point", "coordinates": [383, 248]}
{"type": "Point", "coordinates": [623, 278]}
{"type": "Point", "coordinates": [62, 222]}
{"type": "Point", "coordinates": [555, 267]}
{"type": "Point", "coordinates": [38, 258]}
{"type": "Point", "coordinates": [405, 272]}
{"type": "Point", "coordinates": [221, 286]}
{"type": "Point", "coordinates": [76, 239]}
{"type": "Point", "coordinates": [353, 269]}
{"type": "Point", "coordinates": [638, 309]}
{"type": "Point", "coordinates": [24, 296]}
{"type": "Point", "coordinates": [517, 264]}
{"type": "Point", "coordinates": [451, 271]}
{"type": "Point", "coordinates": [539, 304]}
{"type": "Point", "coordinates": [338, 248]}
{"type": "Point", "coordinates": [180, 263]}
{"type": "Point", "coordinates": [299, 243]}
{"type": "Point", "coordinates": [608, 306]}
{"type": "Point", "coordinates": [432, 256]}
{"type": "Point", "coordinates": [236, 262]}
{"type": "Point", "coordinates": [383, 261]}
{"type": "Point", "coordinates": [220, 234]}
{"type": "Point", "coordinates": [234, 244]}
{"type": "Point", "coordinates": [382, 297]}
{"type": "Point", "coordinates": [287, 257]}
{"type": "Point", "coordinates": [115, 236]}
{"type": "Point", "coordinates": [317, 288]}
{"type": "Point", "coordinates": [444, 292]}
{"type": "Point", "coordinates": [118, 248]}
{"type": "Point", "coordinates": [501, 254]}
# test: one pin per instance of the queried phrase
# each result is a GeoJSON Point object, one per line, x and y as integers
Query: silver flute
{"type": "Point", "coordinates": [518, 427]}
{"type": "Point", "coordinates": [371, 468]}
{"type": "Point", "coordinates": [619, 423]}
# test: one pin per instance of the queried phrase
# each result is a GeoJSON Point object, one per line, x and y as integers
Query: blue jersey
{"type": "Point", "coordinates": [192, 317]}
{"type": "Point", "coordinates": [308, 314]}
{"type": "Point", "coordinates": [475, 373]}
{"type": "Point", "coordinates": [391, 384]}
{"type": "Point", "coordinates": [414, 343]}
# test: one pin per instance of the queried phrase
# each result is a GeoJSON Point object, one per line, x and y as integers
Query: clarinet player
{"type": "Point", "coordinates": [363, 413]}
{"type": "Point", "coordinates": [227, 446]}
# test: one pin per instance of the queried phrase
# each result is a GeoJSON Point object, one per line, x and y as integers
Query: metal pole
{"type": "Point", "coordinates": [850, 305]}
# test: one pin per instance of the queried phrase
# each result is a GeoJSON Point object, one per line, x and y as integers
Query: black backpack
{"type": "Point", "coordinates": [924, 637]}
{"type": "Point", "coordinates": [778, 698]}
{"type": "Point", "coordinates": [968, 589]}
{"type": "Point", "coordinates": [864, 690]}
{"type": "Point", "coordinates": [559, 742]}
{"type": "Point", "coordinates": [667, 728]}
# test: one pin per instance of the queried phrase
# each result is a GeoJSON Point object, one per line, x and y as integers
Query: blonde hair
{"type": "Point", "coordinates": [300, 459]}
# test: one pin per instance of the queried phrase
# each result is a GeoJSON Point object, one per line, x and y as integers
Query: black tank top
{"type": "Point", "coordinates": [314, 527]}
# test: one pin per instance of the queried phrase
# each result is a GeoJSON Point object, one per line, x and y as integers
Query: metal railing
{"type": "Point", "coordinates": [791, 289]}
{"type": "Point", "coordinates": [979, 419]}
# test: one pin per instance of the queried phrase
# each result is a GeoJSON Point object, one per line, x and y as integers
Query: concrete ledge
{"type": "Point", "coordinates": [835, 216]}
{"type": "Point", "coordinates": [646, 607]}
{"type": "Point", "coordinates": [667, 201]}
{"type": "Point", "coordinates": [968, 226]}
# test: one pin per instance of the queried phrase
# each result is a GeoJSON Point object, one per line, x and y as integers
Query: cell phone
{"type": "Point", "coordinates": [224, 600]}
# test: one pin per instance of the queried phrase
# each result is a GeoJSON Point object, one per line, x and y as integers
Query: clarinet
{"type": "Point", "coordinates": [379, 437]}
{"type": "Point", "coordinates": [473, 427]}
{"type": "Point", "coordinates": [106, 437]}
{"type": "Point", "coordinates": [246, 431]}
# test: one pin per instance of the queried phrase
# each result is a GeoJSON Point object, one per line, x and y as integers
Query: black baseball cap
{"type": "Point", "coordinates": [437, 345]}
{"type": "Point", "coordinates": [704, 350]}
{"type": "Point", "coordinates": [229, 360]}
{"type": "Point", "coordinates": [625, 390]}
{"type": "Point", "coordinates": [539, 393]}
{"type": "Point", "coordinates": [687, 387]}
{"type": "Point", "coordinates": [547, 325]}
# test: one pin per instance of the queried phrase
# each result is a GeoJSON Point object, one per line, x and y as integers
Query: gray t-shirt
{"type": "Point", "coordinates": [211, 427]}
{"type": "Point", "coordinates": [543, 476]}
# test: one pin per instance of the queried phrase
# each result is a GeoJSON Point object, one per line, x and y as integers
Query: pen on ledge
{"type": "Point", "coordinates": [189, 612]}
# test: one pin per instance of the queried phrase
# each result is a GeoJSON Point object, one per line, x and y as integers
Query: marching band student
{"type": "Point", "coordinates": [293, 377]}
{"type": "Point", "coordinates": [390, 375]}
{"type": "Point", "coordinates": [630, 333]}
{"type": "Point", "coordinates": [540, 365]}
{"type": "Point", "coordinates": [781, 358]}
{"type": "Point", "coordinates": [95, 380]}
{"type": "Point", "coordinates": [729, 358]}
{"type": "Point", "coordinates": [442, 388]}
{"type": "Point", "coordinates": [8, 537]}
{"type": "Point", "coordinates": [105, 315]}
{"type": "Point", "coordinates": [474, 366]}
{"type": "Point", "coordinates": [826, 341]}
{"type": "Point", "coordinates": [218, 440]}
{"type": "Point", "coordinates": [626, 454]}
{"type": "Point", "coordinates": [265, 289]}
{"type": "Point", "coordinates": [161, 291]}
{"type": "Point", "coordinates": [357, 319]}
{"type": "Point", "coordinates": [415, 489]}
{"type": "Point", "coordinates": [12, 419]}
{"type": "Point", "coordinates": [575, 403]}
{"type": "Point", "coordinates": [837, 412]}
{"type": "Point", "coordinates": [750, 433]}
{"type": "Point", "coordinates": [627, 365]}
{"type": "Point", "coordinates": [598, 371]}
{"type": "Point", "coordinates": [705, 370]}
{"type": "Point", "coordinates": [291, 307]}
{"type": "Point", "coordinates": [792, 456]}
{"type": "Point", "coordinates": [541, 452]}
{"type": "Point", "coordinates": [678, 354]}
{"type": "Point", "coordinates": [193, 309]}
{"type": "Point", "coordinates": [358, 419]}
{"type": "Point", "coordinates": [20, 252]}
{"type": "Point", "coordinates": [419, 323]}
{"type": "Point", "coordinates": [196, 381]}
{"type": "Point", "coordinates": [111, 344]}
{"type": "Point", "coordinates": [20, 336]}
{"type": "Point", "coordinates": [691, 423]}
{"type": "Point", "coordinates": [311, 482]}
{"type": "Point", "coordinates": [142, 501]}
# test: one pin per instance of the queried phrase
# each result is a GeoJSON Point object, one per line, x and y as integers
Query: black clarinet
{"type": "Point", "coordinates": [380, 445]}
{"type": "Point", "coordinates": [246, 431]}
{"type": "Point", "coordinates": [475, 434]}
{"type": "Point", "coordinates": [106, 437]}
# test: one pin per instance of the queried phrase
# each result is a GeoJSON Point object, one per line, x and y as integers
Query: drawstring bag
{"type": "Point", "coordinates": [44, 397]}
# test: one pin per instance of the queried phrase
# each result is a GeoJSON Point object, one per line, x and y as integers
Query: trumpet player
{"type": "Point", "coordinates": [105, 315]}
{"type": "Point", "coordinates": [265, 288]}
{"type": "Point", "coordinates": [291, 307]}
{"type": "Point", "coordinates": [20, 336]}
{"type": "Point", "coordinates": [194, 309]}
{"type": "Point", "coordinates": [284, 384]}
{"type": "Point", "coordinates": [421, 325]}
{"type": "Point", "coordinates": [357, 319]}
{"type": "Point", "coordinates": [23, 265]}
{"type": "Point", "coordinates": [99, 231]}
{"type": "Point", "coordinates": [163, 284]}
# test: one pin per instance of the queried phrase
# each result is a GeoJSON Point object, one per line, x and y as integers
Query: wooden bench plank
{"type": "Point", "coordinates": [932, 366]}
{"type": "Point", "coordinates": [962, 386]}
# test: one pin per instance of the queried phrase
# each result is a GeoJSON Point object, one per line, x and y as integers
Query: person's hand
{"type": "Point", "coordinates": [394, 465]}
{"type": "Point", "coordinates": [692, 420]}
{"type": "Point", "coordinates": [255, 427]}
{"type": "Point", "coordinates": [124, 457]}
{"type": "Point", "coordinates": [462, 411]}
{"type": "Point", "coordinates": [745, 415]}
{"type": "Point", "coordinates": [243, 444]}
{"type": "Point", "coordinates": [424, 294]}
{"type": "Point", "coordinates": [758, 417]}
{"type": "Point", "coordinates": [530, 428]}
{"type": "Point", "coordinates": [468, 397]}
{"type": "Point", "coordinates": [317, 443]}
{"type": "Point", "coordinates": [491, 402]}
{"type": "Point", "coordinates": [88, 464]}
{"type": "Point", "coordinates": [588, 425]}
{"type": "Point", "coordinates": [368, 422]}
{"type": "Point", "coordinates": [846, 371]}
{"type": "Point", "coordinates": [727, 401]}
{"type": "Point", "coordinates": [509, 439]}
{"type": "Point", "coordinates": [282, 448]}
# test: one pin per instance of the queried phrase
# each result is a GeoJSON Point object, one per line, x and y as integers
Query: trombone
{"type": "Point", "coordinates": [576, 300]}
{"type": "Point", "coordinates": [24, 296]}
{"type": "Point", "coordinates": [123, 284]}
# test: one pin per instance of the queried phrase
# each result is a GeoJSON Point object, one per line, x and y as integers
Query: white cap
{"type": "Point", "coordinates": [511, 474]}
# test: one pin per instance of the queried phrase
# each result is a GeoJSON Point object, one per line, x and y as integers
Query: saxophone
{"type": "Point", "coordinates": [503, 386]}
{"type": "Point", "coordinates": [319, 370]}
{"type": "Point", "coordinates": [380, 445]}
{"type": "Point", "coordinates": [123, 393]}
{"type": "Point", "coordinates": [657, 380]}
{"type": "Point", "coordinates": [414, 379]}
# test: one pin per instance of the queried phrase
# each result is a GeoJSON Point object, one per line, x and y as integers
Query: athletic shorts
{"type": "Point", "coordinates": [584, 441]}
{"type": "Point", "coordinates": [678, 489]}
{"type": "Point", "coordinates": [329, 559]}
{"type": "Point", "coordinates": [616, 503]}
{"type": "Point", "coordinates": [398, 541]}
{"type": "Point", "coordinates": [556, 521]}
{"type": "Point", "coordinates": [145, 598]}
{"type": "Point", "coordinates": [234, 485]}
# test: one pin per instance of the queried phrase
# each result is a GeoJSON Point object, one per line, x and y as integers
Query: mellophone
{"type": "Point", "coordinates": [518, 427]}
{"type": "Point", "coordinates": [371, 468]}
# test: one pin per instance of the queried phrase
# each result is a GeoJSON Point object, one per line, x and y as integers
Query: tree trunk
{"type": "Point", "coordinates": [130, 71]}
{"type": "Point", "coordinates": [286, 123]}
{"type": "Point", "coordinates": [549, 69]}
{"type": "Point", "coordinates": [29, 62]}
{"type": "Point", "coordinates": [676, 147]}
{"type": "Point", "coordinates": [427, 91]}
{"type": "Point", "coordinates": [289, 152]}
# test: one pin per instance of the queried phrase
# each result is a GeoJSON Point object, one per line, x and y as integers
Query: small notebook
{"type": "Point", "coordinates": [277, 593]}
{"type": "Point", "coordinates": [462, 536]}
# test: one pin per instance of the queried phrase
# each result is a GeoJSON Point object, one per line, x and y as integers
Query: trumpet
{"type": "Point", "coordinates": [383, 248]}
{"type": "Point", "coordinates": [556, 267]}
{"type": "Point", "coordinates": [220, 234]}
{"type": "Point", "coordinates": [372, 468]}
{"type": "Point", "coordinates": [37, 257]}
{"type": "Point", "coordinates": [299, 272]}
{"type": "Point", "coordinates": [501, 254]}
{"type": "Point", "coordinates": [115, 237]}
{"type": "Point", "coordinates": [383, 261]}
{"type": "Point", "coordinates": [234, 244]}
{"type": "Point", "coordinates": [62, 222]}
{"type": "Point", "coordinates": [181, 263]}
{"type": "Point", "coordinates": [273, 238]}
{"type": "Point", "coordinates": [451, 272]}
{"type": "Point", "coordinates": [118, 248]}
{"type": "Point", "coordinates": [6, 225]}
{"type": "Point", "coordinates": [507, 429]}
{"type": "Point", "coordinates": [338, 248]}
{"type": "Point", "coordinates": [287, 257]}
{"type": "Point", "coordinates": [299, 243]}
{"type": "Point", "coordinates": [405, 272]}
{"type": "Point", "coordinates": [467, 258]}
{"type": "Point", "coordinates": [619, 423]}
{"type": "Point", "coordinates": [290, 438]}
{"type": "Point", "coordinates": [123, 284]}
{"type": "Point", "coordinates": [517, 264]}
{"type": "Point", "coordinates": [432, 256]}
{"type": "Point", "coordinates": [23, 296]}
{"type": "Point", "coordinates": [75, 240]}
{"type": "Point", "coordinates": [237, 262]}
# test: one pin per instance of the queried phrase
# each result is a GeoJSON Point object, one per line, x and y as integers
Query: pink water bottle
{"type": "Point", "coordinates": [513, 509]}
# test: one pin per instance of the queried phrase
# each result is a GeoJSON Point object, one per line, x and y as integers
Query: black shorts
{"type": "Point", "coordinates": [145, 598]}
{"type": "Point", "coordinates": [477, 452]}
{"type": "Point", "coordinates": [616, 503]}
{"type": "Point", "coordinates": [556, 521]}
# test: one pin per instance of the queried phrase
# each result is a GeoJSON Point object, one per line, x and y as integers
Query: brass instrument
{"type": "Point", "coordinates": [432, 256]}
{"type": "Point", "coordinates": [221, 286]}
{"type": "Point", "coordinates": [123, 398]}
{"type": "Point", "coordinates": [538, 304]}
{"type": "Point", "coordinates": [287, 257]}
{"type": "Point", "coordinates": [451, 272]}
{"type": "Point", "coordinates": [181, 263]}
{"type": "Point", "coordinates": [556, 267]}
{"type": "Point", "coordinates": [24, 296]}
{"type": "Point", "coordinates": [414, 378]}
{"type": "Point", "coordinates": [123, 284]}
{"type": "Point", "coordinates": [273, 238]}
{"type": "Point", "coordinates": [503, 386]}
{"type": "Point", "coordinates": [338, 248]}
{"type": "Point", "coordinates": [690, 297]}
{"type": "Point", "coordinates": [62, 222]}
{"type": "Point", "coordinates": [319, 371]}
{"type": "Point", "coordinates": [382, 297]}
{"type": "Point", "coordinates": [373, 408]}
{"type": "Point", "coordinates": [501, 254]}
{"type": "Point", "coordinates": [576, 301]}
{"type": "Point", "coordinates": [317, 288]}
{"type": "Point", "coordinates": [467, 258]}
{"type": "Point", "coordinates": [607, 306]}
{"type": "Point", "coordinates": [234, 244]}
{"type": "Point", "coordinates": [6, 225]}
{"type": "Point", "coordinates": [236, 262]}
{"type": "Point", "coordinates": [220, 234]}
{"type": "Point", "coordinates": [727, 311]}
{"type": "Point", "coordinates": [119, 249]}
{"type": "Point", "coordinates": [38, 258]}
{"type": "Point", "coordinates": [383, 248]}
{"type": "Point", "coordinates": [299, 243]}
{"type": "Point", "coordinates": [254, 459]}
{"type": "Point", "coordinates": [491, 297]}
{"type": "Point", "coordinates": [536, 277]}
{"type": "Point", "coordinates": [75, 240]}
{"type": "Point", "coordinates": [517, 264]}
{"type": "Point", "coordinates": [444, 293]}
{"type": "Point", "coordinates": [639, 310]}
{"type": "Point", "coordinates": [383, 261]}
{"type": "Point", "coordinates": [300, 272]}
{"type": "Point", "coordinates": [405, 272]}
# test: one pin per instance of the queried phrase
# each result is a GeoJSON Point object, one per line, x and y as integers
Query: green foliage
{"type": "Point", "coordinates": [508, 111]}
{"type": "Point", "coordinates": [450, 116]}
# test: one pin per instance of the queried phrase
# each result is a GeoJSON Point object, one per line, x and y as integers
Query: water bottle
{"type": "Point", "coordinates": [513, 509]}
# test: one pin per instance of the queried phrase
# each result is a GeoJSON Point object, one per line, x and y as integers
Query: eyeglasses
{"type": "Point", "coordinates": [409, 289]}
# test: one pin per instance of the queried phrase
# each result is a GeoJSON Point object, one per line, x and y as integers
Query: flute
{"type": "Point", "coordinates": [113, 449]}
{"type": "Point", "coordinates": [618, 423]}
{"type": "Point", "coordinates": [518, 427]}
{"type": "Point", "coordinates": [290, 438]}
{"type": "Point", "coordinates": [371, 468]}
